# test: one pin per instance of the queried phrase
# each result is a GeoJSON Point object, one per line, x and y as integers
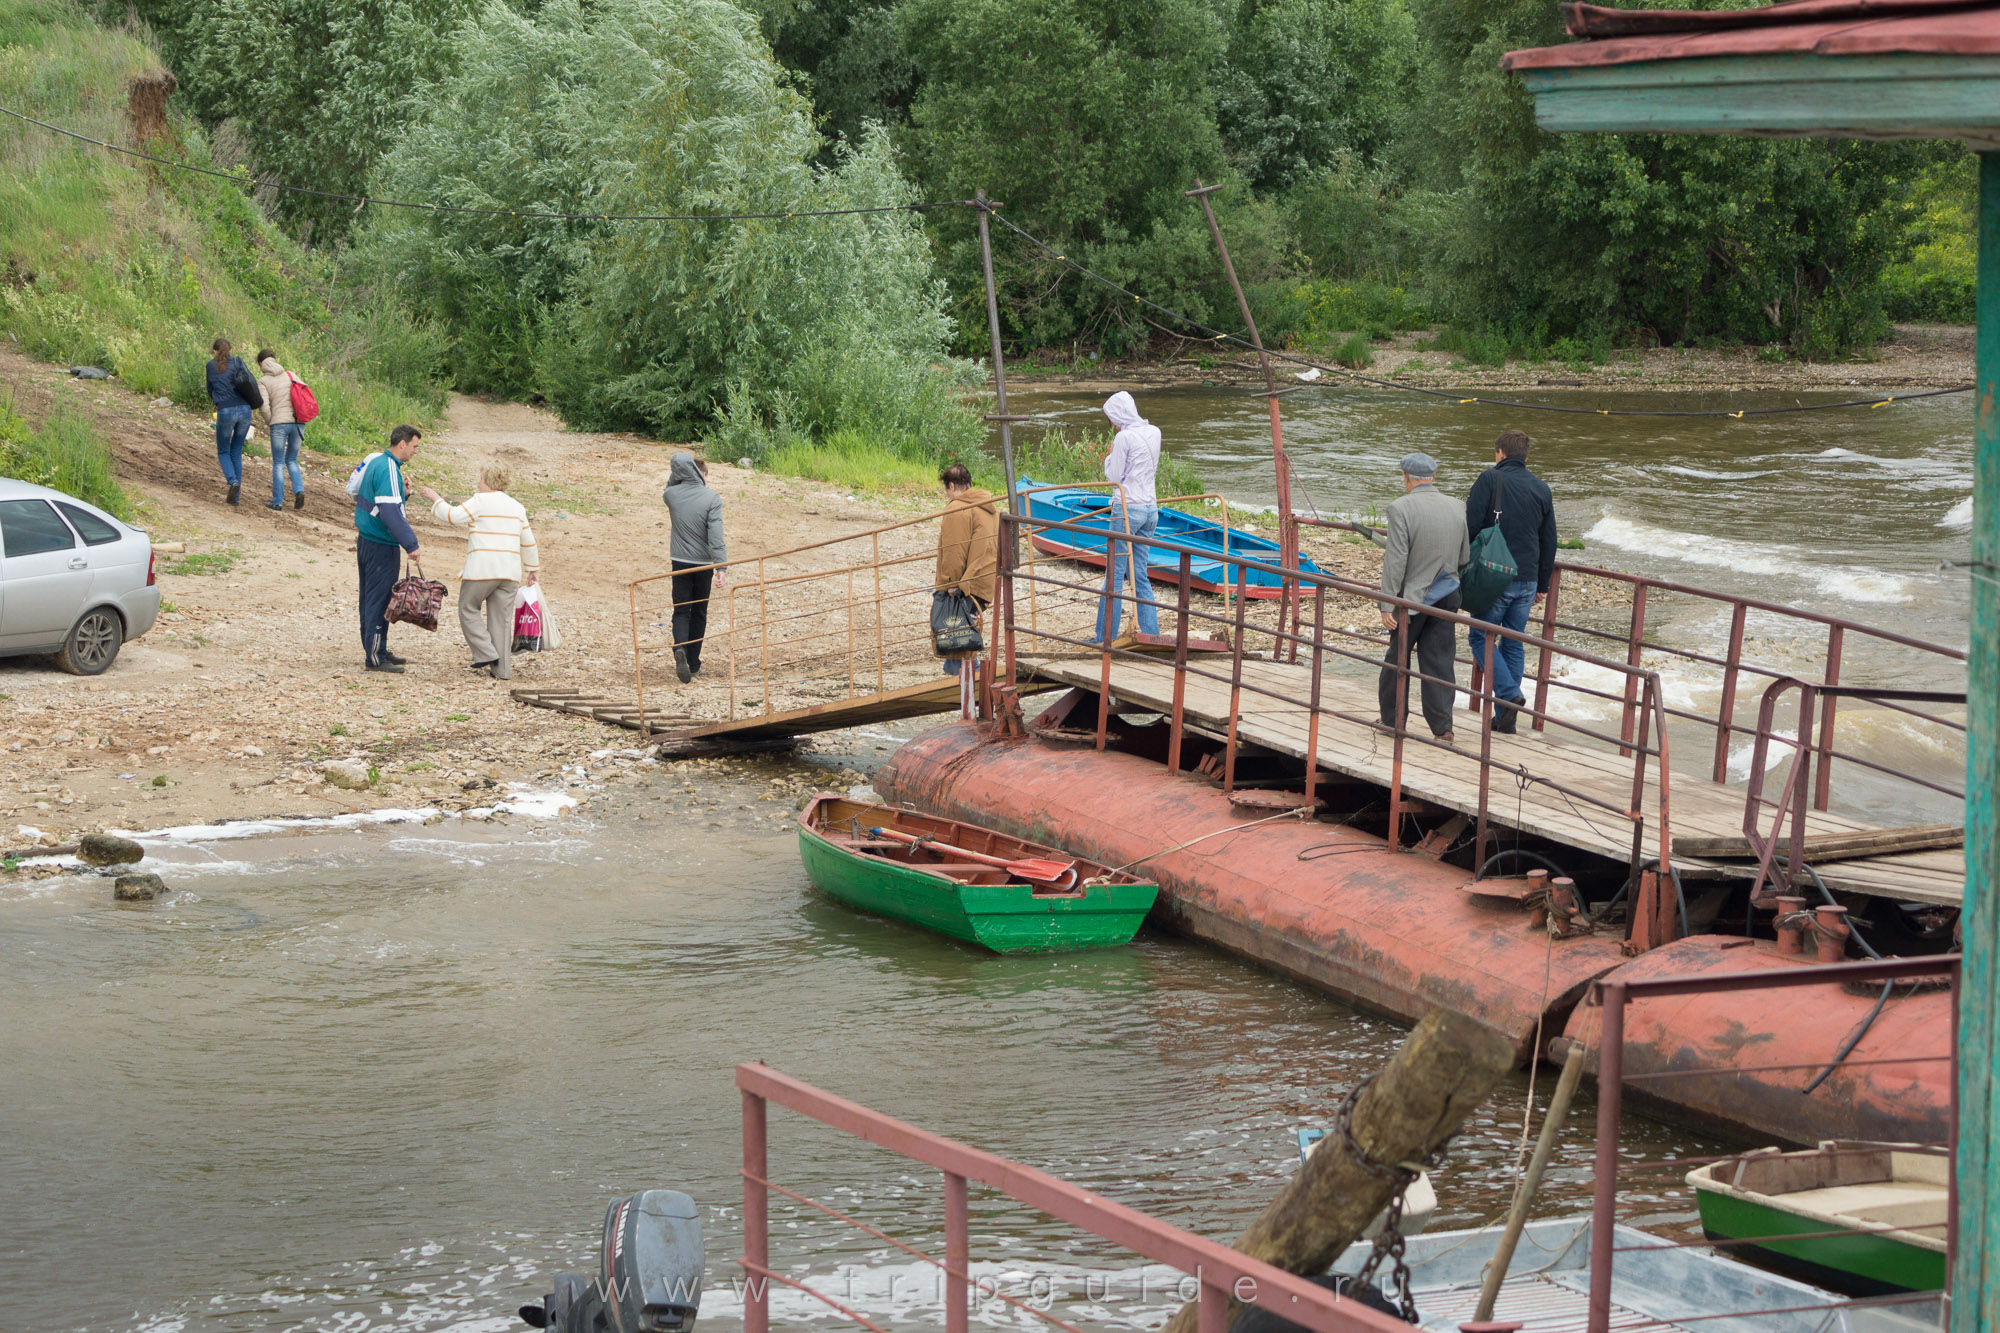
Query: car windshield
{"type": "Point", "coordinates": [30, 527]}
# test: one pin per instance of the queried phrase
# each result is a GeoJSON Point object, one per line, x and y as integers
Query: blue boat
{"type": "Point", "coordinates": [1207, 573]}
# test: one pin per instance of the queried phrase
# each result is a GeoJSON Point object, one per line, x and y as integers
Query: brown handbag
{"type": "Point", "coordinates": [415, 601]}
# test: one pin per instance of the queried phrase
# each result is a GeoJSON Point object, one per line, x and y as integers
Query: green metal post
{"type": "Point", "coordinates": [1975, 1279]}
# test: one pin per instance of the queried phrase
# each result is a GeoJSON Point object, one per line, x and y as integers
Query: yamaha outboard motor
{"type": "Point", "coordinates": [648, 1276]}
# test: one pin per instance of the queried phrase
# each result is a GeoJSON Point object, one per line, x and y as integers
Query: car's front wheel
{"type": "Point", "coordinates": [92, 645]}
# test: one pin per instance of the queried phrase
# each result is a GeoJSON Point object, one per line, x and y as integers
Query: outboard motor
{"type": "Point", "coordinates": [648, 1276]}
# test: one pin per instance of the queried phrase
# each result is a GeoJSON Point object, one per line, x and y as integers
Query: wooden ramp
{"type": "Point", "coordinates": [1350, 743]}
{"type": "Point", "coordinates": [938, 695]}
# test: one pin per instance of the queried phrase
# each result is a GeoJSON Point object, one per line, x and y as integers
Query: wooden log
{"type": "Point", "coordinates": [1445, 1069]}
{"type": "Point", "coordinates": [1832, 846]}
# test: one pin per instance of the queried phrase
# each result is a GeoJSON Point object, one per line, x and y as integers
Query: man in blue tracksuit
{"type": "Point", "coordinates": [382, 534]}
{"type": "Point", "coordinates": [1519, 502]}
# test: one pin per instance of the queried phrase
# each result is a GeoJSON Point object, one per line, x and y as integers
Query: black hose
{"type": "Point", "coordinates": [1551, 866]}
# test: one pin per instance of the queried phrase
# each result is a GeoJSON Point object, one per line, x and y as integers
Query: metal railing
{"type": "Point", "coordinates": [841, 616]}
{"type": "Point", "coordinates": [1222, 1274]}
{"type": "Point", "coordinates": [1789, 806]}
{"type": "Point", "coordinates": [1647, 748]}
{"type": "Point", "coordinates": [1611, 995]}
{"type": "Point", "coordinates": [1645, 593]}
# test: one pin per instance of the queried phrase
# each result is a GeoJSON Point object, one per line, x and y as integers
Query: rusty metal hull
{"type": "Point", "coordinates": [1393, 933]}
{"type": "Point", "coordinates": [1894, 1085]}
{"type": "Point", "coordinates": [1390, 933]}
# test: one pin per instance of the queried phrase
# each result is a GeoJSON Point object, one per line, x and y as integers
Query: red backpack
{"type": "Point", "coordinates": [304, 406]}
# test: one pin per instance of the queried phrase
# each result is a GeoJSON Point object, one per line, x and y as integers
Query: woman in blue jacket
{"type": "Point", "coordinates": [232, 412]}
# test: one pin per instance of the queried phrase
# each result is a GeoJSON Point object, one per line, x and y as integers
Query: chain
{"type": "Point", "coordinates": [1389, 1242]}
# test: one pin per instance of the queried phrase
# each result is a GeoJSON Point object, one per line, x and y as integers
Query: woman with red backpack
{"type": "Point", "coordinates": [282, 402]}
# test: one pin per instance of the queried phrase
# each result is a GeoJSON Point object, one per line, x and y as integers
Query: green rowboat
{"type": "Point", "coordinates": [967, 882]}
{"type": "Point", "coordinates": [1885, 1203]}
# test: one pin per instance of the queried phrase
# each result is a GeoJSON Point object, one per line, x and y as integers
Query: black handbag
{"type": "Point", "coordinates": [955, 623]}
{"type": "Point", "coordinates": [246, 386]}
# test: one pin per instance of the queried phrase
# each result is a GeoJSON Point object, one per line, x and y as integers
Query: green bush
{"type": "Point", "coordinates": [1062, 456]}
{"type": "Point", "coordinates": [66, 453]}
{"type": "Point", "coordinates": [1357, 353]}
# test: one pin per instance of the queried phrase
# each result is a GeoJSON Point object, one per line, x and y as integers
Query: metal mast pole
{"type": "Point", "coordinates": [984, 207]}
{"type": "Point", "coordinates": [1288, 532]}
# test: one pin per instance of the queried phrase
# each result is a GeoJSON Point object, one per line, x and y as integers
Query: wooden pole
{"type": "Point", "coordinates": [1445, 1069]}
{"type": "Point", "coordinates": [1517, 1218]}
{"type": "Point", "coordinates": [1975, 1278]}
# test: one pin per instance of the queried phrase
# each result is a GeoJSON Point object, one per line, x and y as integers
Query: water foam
{"type": "Point", "coordinates": [1959, 516]}
{"type": "Point", "coordinates": [1849, 583]}
{"type": "Point", "coordinates": [1704, 474]}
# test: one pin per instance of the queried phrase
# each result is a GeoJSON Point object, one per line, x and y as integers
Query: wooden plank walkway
{"type": "Point", "coordinates": [939, 694]}
{"type": "Point", "coordinates": [1350, 744]}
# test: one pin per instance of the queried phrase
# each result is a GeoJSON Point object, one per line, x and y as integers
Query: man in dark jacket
{"type": "Point", "coordinates": [1518, 501]}
{"type": "Point", "coordinates": [698, 547]}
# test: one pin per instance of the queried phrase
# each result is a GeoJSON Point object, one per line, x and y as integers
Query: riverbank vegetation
{"type": "Point", "coordinates": [1377, 173]}
{"type": "Point", "coordinates": [135, 269]}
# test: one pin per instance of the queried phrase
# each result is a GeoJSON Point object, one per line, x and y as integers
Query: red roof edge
{"type": "Point", "coordinates": [1598, 21]}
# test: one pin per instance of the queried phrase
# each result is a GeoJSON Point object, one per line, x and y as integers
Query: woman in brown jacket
{"type": "Point", "coordinates": [968, 550]}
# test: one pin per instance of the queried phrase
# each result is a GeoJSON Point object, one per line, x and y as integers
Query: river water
{"type": "Point", "coordinates": [1850, 513]}
{"type": "Point", "coordinates": [388, 1078]}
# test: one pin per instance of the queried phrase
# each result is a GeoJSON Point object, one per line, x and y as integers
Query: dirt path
{"type": "Point", "coordinates": [253, 675]}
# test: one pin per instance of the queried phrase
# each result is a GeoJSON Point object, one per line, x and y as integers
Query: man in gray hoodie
{"type": "Point", "coordinates": [696, 511]}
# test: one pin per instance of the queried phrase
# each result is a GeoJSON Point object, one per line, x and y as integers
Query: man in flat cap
{"type": "Point", "coordinates": [1427, 546]}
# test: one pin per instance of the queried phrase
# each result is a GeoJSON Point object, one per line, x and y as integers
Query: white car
{"type": "Point", "coordinates": [74, 581]}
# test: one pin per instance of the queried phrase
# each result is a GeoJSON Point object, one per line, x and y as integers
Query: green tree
{"type": "Point", "coordinates": [1675, 238]}
{"type": "Point", "coordinates": [1305, 82]}
{"type": "Point", "coordinates": [315, 89]}
{"type": "Point", "coordinates": [849, 54]}
{"type": "Point", "coordinates": [1088, 118]}
{"type": "Point", "coordinates": [665, 107]}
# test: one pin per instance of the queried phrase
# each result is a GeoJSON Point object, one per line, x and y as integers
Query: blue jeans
{"type": "Point", "coordinates": [232, 428]}
{"type": "Point", "coordinates": [1511, 611]}
{"type": "Point", "coordinates": [286, 437]}
{"type": "Point", "coordinates": [1145, 521]}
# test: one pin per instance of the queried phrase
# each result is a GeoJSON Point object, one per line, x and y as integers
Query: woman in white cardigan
{"type": "Point", "coordinates": [500, 557]}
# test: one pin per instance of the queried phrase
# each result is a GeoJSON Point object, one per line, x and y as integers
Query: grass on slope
{"type": "Point", "coordinates": [66, 453]}
{"type": "Point", "coordinates": [136, 268]}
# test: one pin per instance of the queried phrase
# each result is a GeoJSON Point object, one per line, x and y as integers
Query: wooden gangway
{"type": "Point", "coordinates": [1350, 743]}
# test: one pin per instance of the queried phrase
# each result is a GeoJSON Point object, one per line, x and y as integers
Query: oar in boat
{"type": "Point", "coordinates": [1036, 870]}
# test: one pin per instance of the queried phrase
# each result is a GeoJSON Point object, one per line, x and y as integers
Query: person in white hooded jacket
{"type": "Point", "coordinates": [287, 435]}
{"type": "Point", "coordinates": [1133, 461]}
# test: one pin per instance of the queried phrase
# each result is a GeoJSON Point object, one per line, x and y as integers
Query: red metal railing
{"type": "Point", "coordinates": [1611, 996]}
{"type": "Point", "coordinates": [1646, 743]}
{"type": "Point", "coordinates": [1815, 705]}
{"type": "Point", "coordinates": [1221, 1272]}
{"type": "Point", "coordinates": [1733, 665]}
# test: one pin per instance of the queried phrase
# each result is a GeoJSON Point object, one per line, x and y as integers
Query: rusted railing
{"type": "Point", "coordinates": [1733, 665]}
{"type": "Point", "coordinates": [846, 617]}
{"type": "Point", "coordinates": [1222, 1273]}
{"type": "Point", "coordinates": [1790, 805]}
{"type": "Point", "coordinates": [1647, 748]}
{"type": "Point", "coordinates": [1610, 997]}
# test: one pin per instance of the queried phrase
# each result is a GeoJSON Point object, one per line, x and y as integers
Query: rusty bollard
{"type": "Point", "coordinates": [1538, 899]}
{"type": "Point", "coordinates": [1831, 924]}
{"type": "Point", "coordinates": [1791, 931]}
